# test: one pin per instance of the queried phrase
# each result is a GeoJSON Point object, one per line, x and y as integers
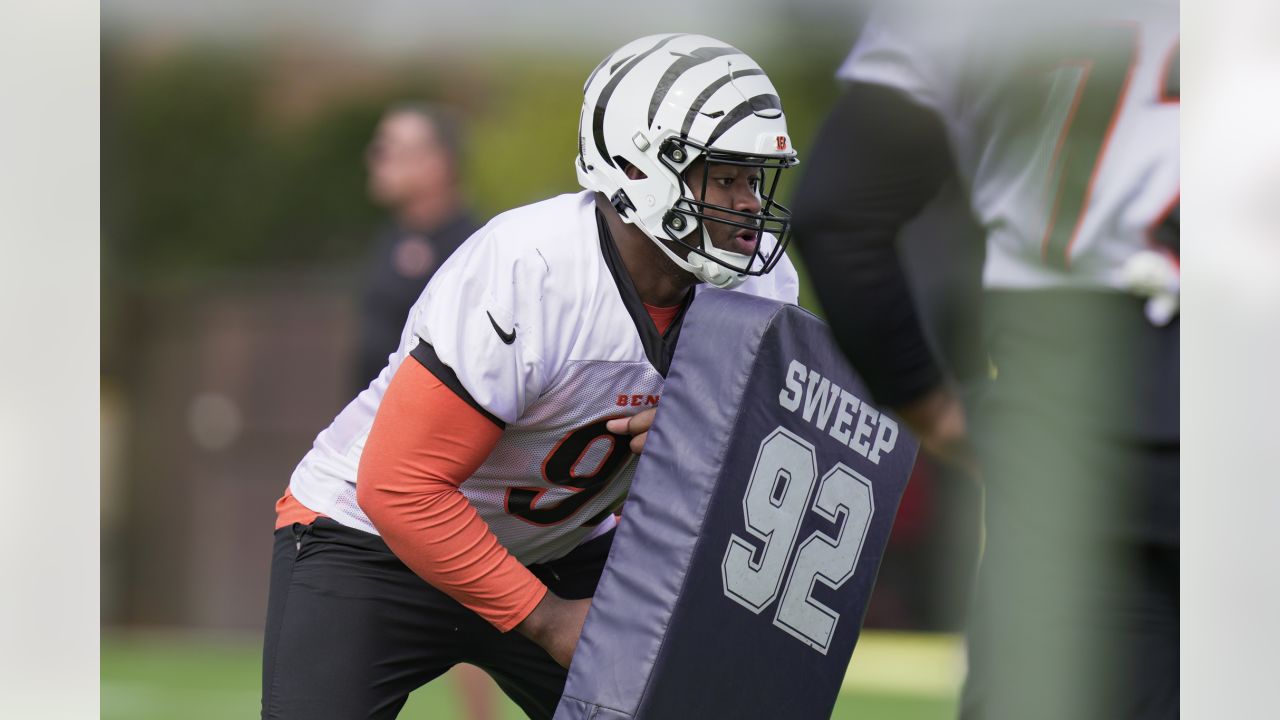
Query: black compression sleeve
{"type": "Point", "coordinates": [878, 159]}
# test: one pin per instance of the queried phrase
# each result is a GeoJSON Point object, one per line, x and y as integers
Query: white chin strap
{"type": "Point", "coordinates": [707, 270]}
{"type": "Point", "coordinates": [714, 273]}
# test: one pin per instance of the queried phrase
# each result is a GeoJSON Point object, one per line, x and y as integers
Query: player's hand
{"type": "Point", "coordinates": [555, 624]}
{"type": "Point", "coordinates": [939, 420]}
{"type": "Point", "coordinates": [637, 426]}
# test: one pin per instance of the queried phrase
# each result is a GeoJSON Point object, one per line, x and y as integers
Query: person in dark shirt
{"type": "Point", "coordinates": [414, 163]}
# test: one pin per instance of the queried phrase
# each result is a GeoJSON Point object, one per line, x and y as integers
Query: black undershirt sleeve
{"type": "Point", "coordinates": [878, 159]}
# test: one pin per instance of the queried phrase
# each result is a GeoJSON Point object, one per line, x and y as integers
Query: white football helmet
{"type": "Point", "coordinates": [661, 102]}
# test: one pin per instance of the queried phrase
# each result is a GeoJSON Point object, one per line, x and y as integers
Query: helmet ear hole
{"type": "Point", "coordinates": [632, 171]}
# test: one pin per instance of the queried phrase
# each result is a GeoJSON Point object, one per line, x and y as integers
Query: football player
{"type": "Point", "coordinates": [461, 508]}
{"type": "Point", "coordinates": [1063, 125]}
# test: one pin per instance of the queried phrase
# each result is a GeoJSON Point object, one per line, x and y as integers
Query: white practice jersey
{"type": "Point", "coordinates": [1064, 127]}
{"type": "Point", "coordinates": [535, 320]}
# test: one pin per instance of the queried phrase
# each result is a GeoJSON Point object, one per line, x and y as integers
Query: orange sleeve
{"type": "Point", "coordinates": [424, 443]}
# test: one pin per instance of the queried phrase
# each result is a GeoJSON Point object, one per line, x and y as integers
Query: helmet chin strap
{"type": "Point", "coordinates": [714, 273]}
{"type": "Point", "coordinates": [704, 270]}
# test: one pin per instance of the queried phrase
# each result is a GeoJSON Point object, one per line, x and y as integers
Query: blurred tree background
{"type": "Point", "coordinates": [218, 160]}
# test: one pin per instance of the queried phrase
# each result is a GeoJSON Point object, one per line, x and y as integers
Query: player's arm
{"type": "Point", "coordinates": [425, 441]}
{"type": "Point", "coordinates": [877, 161]}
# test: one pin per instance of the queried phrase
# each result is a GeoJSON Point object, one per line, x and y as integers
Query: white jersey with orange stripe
{"type": "Point", "coordinates": [1064, 127]}
{"type": "Point", "coordinates": [535, 322]}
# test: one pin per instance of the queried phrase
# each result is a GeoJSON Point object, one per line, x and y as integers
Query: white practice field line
{"type": "Point", "coordinates": [904, 663]}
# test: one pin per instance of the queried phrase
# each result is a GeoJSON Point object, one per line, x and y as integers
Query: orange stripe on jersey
{"type": "Point", "coordinates": [290, 511]}
{"type": "Point", "coordinates": [662, 316]}
{"type": "Point", "coordinates": [424, 443]}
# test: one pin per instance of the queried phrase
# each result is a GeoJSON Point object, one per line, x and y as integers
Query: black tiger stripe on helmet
{"type": "Point", "coordinates": [603, 103]}
{"type": "Point", "coordinates": [683, 64]}
{"type": "Point", "coordinates": [760, 105]}
{"type": "Point", "coordinates": [705, 95]}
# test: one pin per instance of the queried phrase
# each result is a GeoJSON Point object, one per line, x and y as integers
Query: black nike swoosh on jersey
{"type": "Point", "coordinates": [507, 337]}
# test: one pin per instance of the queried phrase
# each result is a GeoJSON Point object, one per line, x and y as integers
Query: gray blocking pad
{"type": "Point", "coordinates": [750, 542]}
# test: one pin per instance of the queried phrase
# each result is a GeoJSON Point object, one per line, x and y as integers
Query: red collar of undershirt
{"type": "Point", "coordinates": [662, 316]}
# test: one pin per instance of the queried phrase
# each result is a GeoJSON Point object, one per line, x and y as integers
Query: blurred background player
{"type": "Point", "coordinates": [1064, 129]}
{"type": "Point", "coordinates": [469, 491]}
{"type": "Point", "coordinates": [414, 163]}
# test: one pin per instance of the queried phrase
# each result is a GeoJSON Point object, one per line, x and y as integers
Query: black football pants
{"type": "Point", "coordinates": [351, 631]}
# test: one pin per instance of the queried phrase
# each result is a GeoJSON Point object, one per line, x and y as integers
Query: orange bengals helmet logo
{"type": "Point", "coordinates": [782, 142]}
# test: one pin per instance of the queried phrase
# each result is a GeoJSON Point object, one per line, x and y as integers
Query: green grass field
{"type": "Point", "coordinates": [161, 676]}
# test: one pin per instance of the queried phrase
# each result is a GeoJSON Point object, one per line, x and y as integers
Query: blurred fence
{"type": "Point", "coordinates": [225, 383]}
